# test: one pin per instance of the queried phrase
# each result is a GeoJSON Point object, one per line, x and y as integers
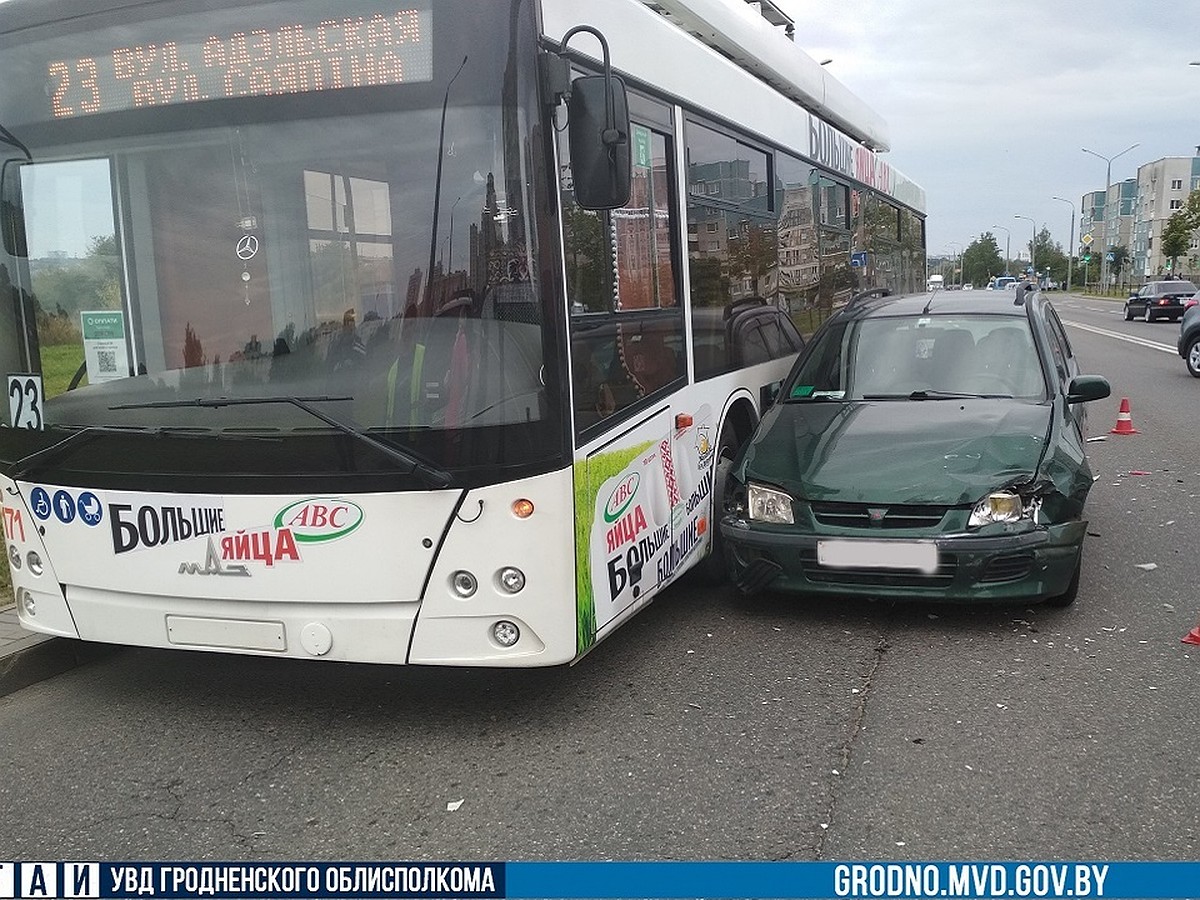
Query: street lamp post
{"type": "Point", "coordinates": [1108, 160]}
{"type": "Point", "coordinates": [954, 246]}
{"type": "Point", "coordinates": [1071, 243]}
{"type": "Point", "coordinates": [1007, 245]}
{"type": "Point", "coordinates": [1032, 243]}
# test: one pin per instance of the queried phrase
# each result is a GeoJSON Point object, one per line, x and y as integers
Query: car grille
{"type": "Point", "coordinates": [867, 577]}
{"type": "Point", "coordinates": [1008, 568]}
{"type": "Point", "coordinates": [858, 515]}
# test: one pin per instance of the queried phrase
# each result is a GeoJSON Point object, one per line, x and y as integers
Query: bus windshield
{"type": "Point", "coordinates": [321, 202]}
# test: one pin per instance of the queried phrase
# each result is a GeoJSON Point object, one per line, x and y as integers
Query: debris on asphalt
{"type": "Point", "coordinates": [453, 805]}
{"type": "Point", "coordinates": [1139, 472]}
{"type": "Point", "coordinates": [1146, 567]}
{"type": "Point", "coordinates": [1097, 438]}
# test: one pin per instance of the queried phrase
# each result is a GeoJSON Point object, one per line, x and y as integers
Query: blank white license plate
{"type": "Point", "coordinates": [921, 556]}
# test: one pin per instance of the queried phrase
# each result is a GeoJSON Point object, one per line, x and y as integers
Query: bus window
{"type": "Point", "coordinates": [627, 328]}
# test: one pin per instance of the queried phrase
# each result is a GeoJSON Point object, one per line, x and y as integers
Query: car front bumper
{"type": "Point", "coordinates": [992, 568]}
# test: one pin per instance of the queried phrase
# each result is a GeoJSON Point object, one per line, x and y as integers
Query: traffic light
{"type": "Point", "coordinates": [1087, 257]}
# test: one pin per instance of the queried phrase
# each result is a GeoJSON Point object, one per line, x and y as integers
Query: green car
{"type": "Point", "coordinates": [926, 447]}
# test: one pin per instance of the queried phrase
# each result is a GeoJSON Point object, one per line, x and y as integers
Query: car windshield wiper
{"type": "Point", "coordinates": [427, 472]}
{"type": "Point", "coordinates": [932, 395]}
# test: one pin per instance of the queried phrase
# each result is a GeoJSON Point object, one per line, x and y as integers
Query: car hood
{"type": "Point", "coordinates": [936, 452]}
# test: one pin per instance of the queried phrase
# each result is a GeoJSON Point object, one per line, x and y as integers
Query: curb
{"type": "Point", "coordinates": [45, 659]}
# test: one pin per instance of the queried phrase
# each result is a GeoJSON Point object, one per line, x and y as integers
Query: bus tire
{"type": "Point", "coordinates": [713, 568]}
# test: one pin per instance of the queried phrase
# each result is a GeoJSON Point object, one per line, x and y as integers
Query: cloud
{"type": "Point", "coordinates": [988, 105]}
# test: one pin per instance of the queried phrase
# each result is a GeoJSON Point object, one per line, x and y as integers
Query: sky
{"type": "Point", "coordinates": [989, 104]}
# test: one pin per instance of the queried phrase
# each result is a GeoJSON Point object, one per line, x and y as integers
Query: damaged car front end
{"type": "Point", "coordinates": [919, 452]}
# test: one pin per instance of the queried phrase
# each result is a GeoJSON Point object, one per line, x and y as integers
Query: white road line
{"type": "Point", "coordinates": [1141, 342]}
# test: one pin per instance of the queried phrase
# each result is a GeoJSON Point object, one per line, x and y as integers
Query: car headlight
{"type": "Point", "coordinates": [769, 505]}
{"type": "Point", "coordinates": [1001, 506]}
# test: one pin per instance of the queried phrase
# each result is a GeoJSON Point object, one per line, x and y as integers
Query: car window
{"type": "Point", "coordinates": [1056, 326]}
{"type": "Point", "coordinates": [896, 357]}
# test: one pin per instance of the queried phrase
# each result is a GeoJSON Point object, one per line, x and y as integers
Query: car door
{"type": "Point", "coordinates": [1067, 367]}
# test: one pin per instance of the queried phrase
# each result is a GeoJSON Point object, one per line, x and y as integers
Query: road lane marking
{"type": "Point", "coordinates": [1141, 342]}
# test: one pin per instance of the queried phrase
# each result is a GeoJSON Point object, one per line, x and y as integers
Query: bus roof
{"type": "Point", "coordinates": [760, 41]}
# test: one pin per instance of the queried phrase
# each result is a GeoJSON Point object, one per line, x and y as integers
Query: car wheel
{"type": "Point", "coordinates": [1128, 313]}
{"type": "Point", "coordinates": [1147, 315]}
{"type": "Point", "coordinates": [714, 569]}
{"type": "Point", "coordinates": [1193, 357]}
{"type": "Point", "coordinates": [1067, 597]}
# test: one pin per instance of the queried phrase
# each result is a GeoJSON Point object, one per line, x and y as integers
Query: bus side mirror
{"type": "Point", "coordinates": [598, 130]}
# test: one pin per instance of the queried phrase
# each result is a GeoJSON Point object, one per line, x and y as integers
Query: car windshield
{"type": "Point", "coordinates": [921, 357]}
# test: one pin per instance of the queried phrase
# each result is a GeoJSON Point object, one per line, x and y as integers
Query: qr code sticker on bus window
{"type": "Point", "coordinates": [106, 360]}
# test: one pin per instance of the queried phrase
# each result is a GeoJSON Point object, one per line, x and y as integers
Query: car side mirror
{"type": "Point", "coordinates": [1084, 388]}
{"type": "Point", "coordinates": [769, 393]}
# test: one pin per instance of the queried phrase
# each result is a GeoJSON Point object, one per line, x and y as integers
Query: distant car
{"type": "Point", "coordinates": [968, 286]}
{"type": "Point", "coordinates": [1160, 300]}
{"type": "Point", "coordinates": [1189, 339]}
{"type": "Point", "coordinates": [921, 447]}
{"type": "Point", "coordinates": [1004, 281]}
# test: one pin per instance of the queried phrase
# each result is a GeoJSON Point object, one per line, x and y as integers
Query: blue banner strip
{"type": "Point", "coordinates": [910, 881]}
{"type": "Point", "coordinates": [300, 880]}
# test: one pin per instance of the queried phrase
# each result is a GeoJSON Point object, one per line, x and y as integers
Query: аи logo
{"type": "Point", "coordinates": [621, 497]}
{"type": "Point", "coordinates": [320, 519]}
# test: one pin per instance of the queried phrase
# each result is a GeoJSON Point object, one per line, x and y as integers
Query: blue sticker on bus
{"type": "Point", "coordinates": [90, 509]}
{"type": "Point", "coordinates": [64, 507]}
{"type": "Point", "coordinates": [39, 502]}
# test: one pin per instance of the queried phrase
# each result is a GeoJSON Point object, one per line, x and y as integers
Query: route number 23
{"type": "Point", "coordinates": [25, 401]}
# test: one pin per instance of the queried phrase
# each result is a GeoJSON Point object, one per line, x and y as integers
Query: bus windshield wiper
{"type": "Point", "coordinates": [7, 137]}
{"type": "Point", "coordinates": [28, 464]}
{"type": "Point", "coordinates": [427, 472]}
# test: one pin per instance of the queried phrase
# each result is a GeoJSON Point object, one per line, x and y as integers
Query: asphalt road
{"type": "Point", "coordinates": [705, 729]}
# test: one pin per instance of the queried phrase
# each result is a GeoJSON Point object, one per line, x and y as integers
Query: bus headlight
{"type": "Point", "coordinates": [34, 561]}
{"type": "Point", "coordinates": [25, 598]}
{"type": "Point", "coordinates": [512, 579]}
{"type": "Point", "coordinates": [464, 583]}
{"type": "Point", "coordinates": [506, 633]}
{"type": "Point", "coordinates": [14, 556]}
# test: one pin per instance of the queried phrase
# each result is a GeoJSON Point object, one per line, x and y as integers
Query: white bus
{"type": "Point", "coordinates": [338, 330]}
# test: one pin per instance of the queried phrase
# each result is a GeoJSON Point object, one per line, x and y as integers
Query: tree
{"type": "Point", "coordinates": [981, 260]}
{"type": "Point", "coordinates": [1176, 238]}
{"type": "Point", "coordinates": [1049, 256]}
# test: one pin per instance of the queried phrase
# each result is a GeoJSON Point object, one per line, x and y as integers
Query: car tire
{"type": "Point", "coordinates": [1147, 315]}
{"type": "Point", "coordinates": [1067, 597]}
{"type": "Point", "coordinates": [1193, 357]}
{"type": "Point", "coordinates": [1128, 313]}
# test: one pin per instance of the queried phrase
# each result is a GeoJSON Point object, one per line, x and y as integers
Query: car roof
{"type": "Point", "coordinates": [939, 303]}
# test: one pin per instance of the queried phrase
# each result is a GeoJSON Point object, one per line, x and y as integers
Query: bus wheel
{"type": "Point", "coordinates": [713, 568]}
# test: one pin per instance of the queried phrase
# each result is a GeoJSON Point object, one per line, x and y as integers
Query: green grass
{"type": "Point", "coordinates": [60, 362]}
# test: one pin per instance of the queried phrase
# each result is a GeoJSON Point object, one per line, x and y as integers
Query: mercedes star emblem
{"type": "Point", "coordinates": [247, 247]}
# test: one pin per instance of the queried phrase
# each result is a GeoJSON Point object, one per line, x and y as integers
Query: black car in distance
{"type": "Point", "coordinates": [1159, 300]}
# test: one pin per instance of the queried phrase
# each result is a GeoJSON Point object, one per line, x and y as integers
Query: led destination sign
{"type": "Point", "coordinates": [295, 57]}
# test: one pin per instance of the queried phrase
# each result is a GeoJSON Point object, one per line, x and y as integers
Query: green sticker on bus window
{"type": "Point", "coordinates": [641, 146]}
{"type": "Point", "coordinates": [802, 390]}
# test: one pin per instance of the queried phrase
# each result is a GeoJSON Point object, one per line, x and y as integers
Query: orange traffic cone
{"type": "Point", "coordinates": [1124, 420]}
{"type": "Point", "coordinates": [1192, 637]}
